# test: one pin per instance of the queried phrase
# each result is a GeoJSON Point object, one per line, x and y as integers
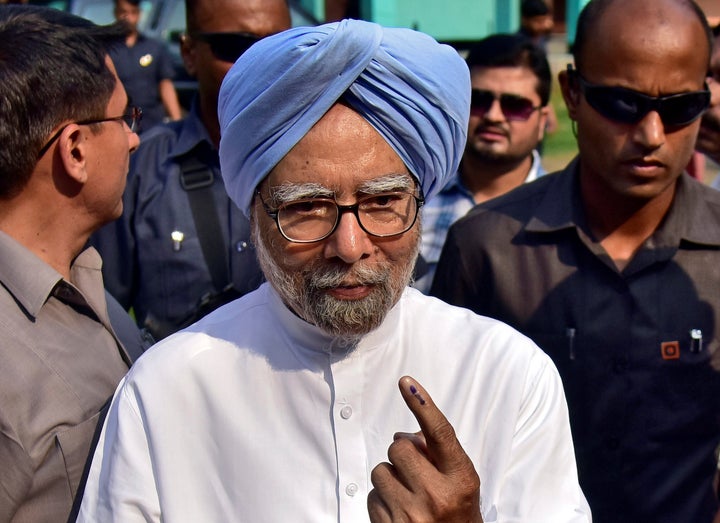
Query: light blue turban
{"type": "Point", "coordinates": [414, 91]}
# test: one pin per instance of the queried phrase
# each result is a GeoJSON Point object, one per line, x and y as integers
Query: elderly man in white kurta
{"type": "Point", "coordinates": [283, 405]}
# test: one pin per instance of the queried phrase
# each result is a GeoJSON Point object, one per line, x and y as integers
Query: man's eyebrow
{"type": "Point", "coordinates": [388, 183]}
{"type": "Point", "coordinates": [290, 192]}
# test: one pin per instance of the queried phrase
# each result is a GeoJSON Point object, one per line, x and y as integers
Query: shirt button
{"type": "Point", "coordinates": [241, 246]}
{"type": "Point", "coordinates": [351, 489]}
{"type": "Point", "coordinates": [346, 412]}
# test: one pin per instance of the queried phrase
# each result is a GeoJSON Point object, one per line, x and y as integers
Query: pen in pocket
{"type": "Point", "coordinates": [570, 333]}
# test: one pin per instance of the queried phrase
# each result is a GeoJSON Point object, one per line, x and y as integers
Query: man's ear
{"type": "Point", "coordinates": [73, 151]}
{"type": "Point", "coordinates": [570, 91]}
{"type": "Point", "coordinates": [187, 51]}
{"type": "Point", "coordinates": [542, 124]}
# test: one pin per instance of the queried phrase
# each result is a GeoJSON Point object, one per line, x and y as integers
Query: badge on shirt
{"type": "Point", "coordinates": [146, 60]}
{"type": "Point", "coordinates": [670, 350]}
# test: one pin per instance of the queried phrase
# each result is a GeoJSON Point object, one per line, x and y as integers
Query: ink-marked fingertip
{"type": "Point", "coordinates": [414, 392]}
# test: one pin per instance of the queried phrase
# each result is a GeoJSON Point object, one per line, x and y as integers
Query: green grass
{"type": "Point", "coordinates": [559, 147]}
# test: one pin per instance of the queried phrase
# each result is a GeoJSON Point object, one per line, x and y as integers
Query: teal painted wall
{"type": "Point", "coordinates": [571, 14]}
{"type": "Point", "coordinates": [314, 7]}
{"type": "Point", "coordinates": [443, 19]}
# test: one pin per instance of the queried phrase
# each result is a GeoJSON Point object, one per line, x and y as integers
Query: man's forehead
{"type": "Point", "coordinates": [515, 73]}
{"type": "Point", "coordinates": [616, 22]}
{"type": "Point", "coordinates": [519, 80]}
{"type": "Point", "coordinates": [669, 43]}
{"type": "Point", "coordinates": [260, 17]}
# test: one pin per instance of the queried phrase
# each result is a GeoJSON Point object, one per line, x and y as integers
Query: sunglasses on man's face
{"type": "Point", "coordinates": [627, 106]}
{"type": "Point", "coordinates": [514, 107]}
{"type": "Point", "coordinates": [227, 47]}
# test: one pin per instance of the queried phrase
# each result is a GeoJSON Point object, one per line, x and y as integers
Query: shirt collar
{"type": "Point", "coordinates": [192, 132]}
{"type": "Point", "coordinates": [694, 207]}
{"type": "Point", "coordinates": [29, 279]}
{"type": "Point", "coordinates": [309, 337]}
{"type": "Point", "coordinates": [559, 207]}
{"type": "Point", "coordinates": [455, 184]}
{"type": "Point", "coordinates": [695, 210]}
{"type": "Point", "coordinates": [536, 168]}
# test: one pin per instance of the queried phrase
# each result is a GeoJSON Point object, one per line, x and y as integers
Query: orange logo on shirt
{"type": "Point", "coordinates": [670, 350]}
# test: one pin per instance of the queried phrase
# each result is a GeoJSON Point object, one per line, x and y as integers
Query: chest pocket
{"type": "Point", "coordinates": [75, 446]}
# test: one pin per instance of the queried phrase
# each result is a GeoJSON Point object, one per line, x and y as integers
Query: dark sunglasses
{"type": "Point", "coordinates": [227, 47]}
{"type": "Point", "coordinates": [627, 106]}
{"type": "Point", "coordinates": [514, 107]}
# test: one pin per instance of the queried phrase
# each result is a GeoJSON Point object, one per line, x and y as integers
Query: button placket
{"type": "Point", "coordinates": [350, 439]}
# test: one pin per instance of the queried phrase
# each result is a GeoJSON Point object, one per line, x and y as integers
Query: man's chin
{"type": "Point", "coordinates": [344, 317]}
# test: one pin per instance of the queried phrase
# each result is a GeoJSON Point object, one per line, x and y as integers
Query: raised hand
{"type": "Point", "coordinates": [429, 478]}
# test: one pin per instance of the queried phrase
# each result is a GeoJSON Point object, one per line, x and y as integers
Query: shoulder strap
{"type": "Point", "coordinates": [197, 179]}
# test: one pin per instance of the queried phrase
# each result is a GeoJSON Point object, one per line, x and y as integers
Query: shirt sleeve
{"type": "Point", "coordinates": [121, 485]}
{"type": "Point", "coordinates": [542, 482]}
{"type": "Point", "coordinates": [453, 282]}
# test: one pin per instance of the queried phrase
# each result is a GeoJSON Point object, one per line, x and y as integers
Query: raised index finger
{"type": "Point", "coordinates": [444, 450]}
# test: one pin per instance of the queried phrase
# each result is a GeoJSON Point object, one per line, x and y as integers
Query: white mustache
{"type": "Point", "coordinates": [330, 277]}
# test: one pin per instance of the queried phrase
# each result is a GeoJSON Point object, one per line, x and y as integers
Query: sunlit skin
{"type": "Point", "coordinates": [109, 162]}
{"type": "Point", "coordinates": [628, 171]}
{"type": "Point", "coordinates": [341, 152]}
{"type": "Point", "coordinates": [258, 17]}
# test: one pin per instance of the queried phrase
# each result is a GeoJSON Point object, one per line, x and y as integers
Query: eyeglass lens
{"type": "Point", "coordinates": [628, 106]}
{"type": "Point", "coordinates": [133, 118]}
{"type": "Point", "coordinates": [385, 214]}
{"type": "Point", "coordinates": [228, 47]}
{"type": "Point", "coordinates": [514, 107]}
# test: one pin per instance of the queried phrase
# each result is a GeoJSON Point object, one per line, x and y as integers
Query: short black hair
{"type": "Point", "coordinates": [513, 50]}
{"type": "Point", "coordinates": [52, 70]}
{"type": "Point", "coordinates": [136, 3]}
{"type": "Point", "coordinates": [593, 11]}
{"type": "Point", "coordinates": [530, 8]}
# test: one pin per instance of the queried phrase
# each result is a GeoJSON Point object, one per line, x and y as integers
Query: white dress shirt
{"type": "Point", "coordinates": [254, 415]}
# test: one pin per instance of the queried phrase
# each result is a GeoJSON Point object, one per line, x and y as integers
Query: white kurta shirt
{"type": "Point", "coordinates": [253, 415]}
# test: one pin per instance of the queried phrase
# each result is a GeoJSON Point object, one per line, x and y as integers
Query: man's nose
{"type": "Point", "coordinates": [494, 112]}
{"type": "Point", "coordinates": [650, 131]}
{"type": "Point", "coordinates": [349, 241]}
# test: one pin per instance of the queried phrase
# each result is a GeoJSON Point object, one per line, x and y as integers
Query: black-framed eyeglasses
{"type": "Point", "coordinates": [627, 106]}
{"type": "Point", "coordinates": [131, 118]}
{"type": "Point", "coordinates": [514, 107]}
{"type": "Point", "coordinates": [313, 219]}
{"type": "Point", "coordinates": [227, 47]}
